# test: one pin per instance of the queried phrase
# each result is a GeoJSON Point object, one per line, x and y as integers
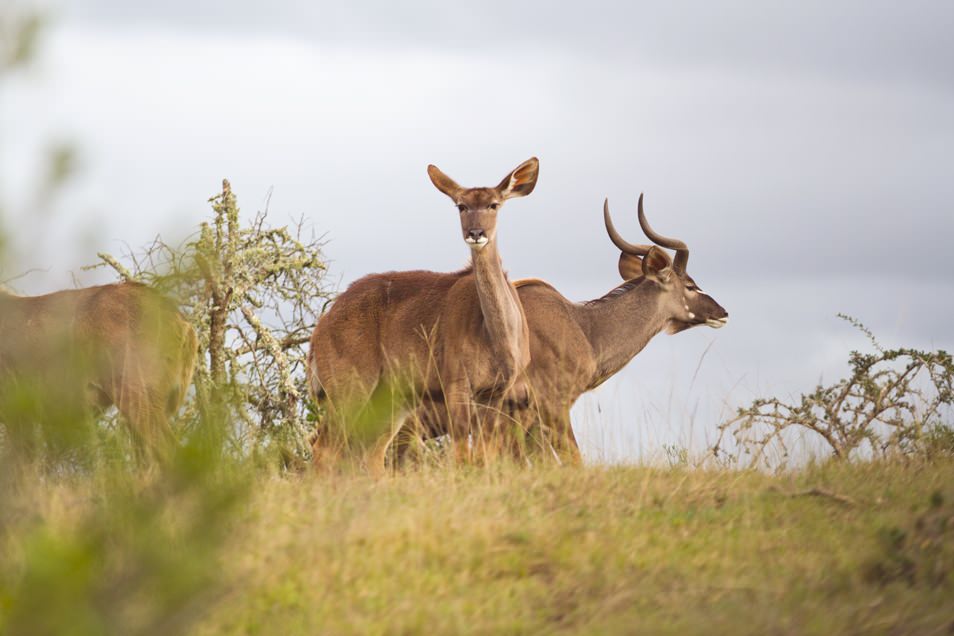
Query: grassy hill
{"type": "Point", "coordinates": [864, 548]}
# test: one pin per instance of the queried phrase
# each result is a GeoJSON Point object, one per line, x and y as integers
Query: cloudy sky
{"type": "Point", "coordinates": [802, 150]}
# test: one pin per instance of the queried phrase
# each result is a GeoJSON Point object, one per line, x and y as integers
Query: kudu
{"type": "Point", "coordinates": [76, 352]}
{"type": "Point", "coordinates": [575, 347]}
{"type": "Point", "coordinates": [462, 335]}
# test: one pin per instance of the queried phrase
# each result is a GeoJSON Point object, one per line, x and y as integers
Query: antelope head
{"type": "Point", "coordinates": [478, 207]}
{"type": "Point", "coordinates": [682, 301]}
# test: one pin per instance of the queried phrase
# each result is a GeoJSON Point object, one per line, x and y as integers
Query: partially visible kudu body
{"type": "Point", "coordinates": [392, 339]}
{"type": "Point", "coordinates": [81, 350]}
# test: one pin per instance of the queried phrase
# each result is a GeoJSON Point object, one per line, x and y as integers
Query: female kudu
{"type": "Point", "coordinates": [391, 339]}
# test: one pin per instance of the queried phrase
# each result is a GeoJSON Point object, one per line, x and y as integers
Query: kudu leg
{"type": "Point", "coordinates": [326, 445]}
{"type": "Point", "coordinates": [557, 432]}
{"type": "Point", "coordinates": [460, 420]}
{"type": "Point", "coordinates": [424, 423]}
{"type": "Point", "coordinates": [144, 410]}
{"type": "Point", "coordinates": [509, 421]}
{"type": "Point", "coordinates": [547, 434]}
{"type": "Point", "coordinates": [359, 428]}
{"type": "Point", "coordinates": [374, 457]}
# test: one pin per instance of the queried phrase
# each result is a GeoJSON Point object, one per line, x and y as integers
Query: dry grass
{"type": "Point", "coordinates": [865, 548]}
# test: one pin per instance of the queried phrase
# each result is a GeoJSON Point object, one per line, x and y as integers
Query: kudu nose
{"type": "Point", "coordinates": [476, 235]}
{"type": "Point", "coordinates": [718, 318]}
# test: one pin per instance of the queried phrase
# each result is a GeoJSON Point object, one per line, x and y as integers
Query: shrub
{"type": "Point", "coordinates": [253, 294]}
{"type": "Point", "coordinates": [892, 403]}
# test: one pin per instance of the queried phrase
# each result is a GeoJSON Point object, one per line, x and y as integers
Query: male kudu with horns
{"type": "Point", "coordinates": [392, 339]}
{"type": "Point", "coordinates": [575, 347]}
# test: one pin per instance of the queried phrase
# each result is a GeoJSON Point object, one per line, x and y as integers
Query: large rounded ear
{"type": "Point", "coordinates": [521, 181]}
{"type": "Point", "coordinates": [657, 265]}
{"type": "Point", "coordinates": [443, 183]}
{"type": "Point", "coordinates": [630, 266]}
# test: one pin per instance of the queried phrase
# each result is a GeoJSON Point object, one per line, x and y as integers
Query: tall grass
{"type": "Point", "coordinates": [95, 542]}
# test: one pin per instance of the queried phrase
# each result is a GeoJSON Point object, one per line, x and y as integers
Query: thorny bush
{"type": "Point", "coordinates": [893, 402]}
{"type": "Point", "coordinates": [253, 294]}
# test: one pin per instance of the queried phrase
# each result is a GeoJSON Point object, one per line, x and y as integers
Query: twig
{"type": "Point", "coordinates": [32, 270]}
{"type": "Point", "coordinates": [116, 265]}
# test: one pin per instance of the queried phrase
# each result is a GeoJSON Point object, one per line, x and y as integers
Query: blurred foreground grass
{"type": "Point", "coordinates": [840, 548]}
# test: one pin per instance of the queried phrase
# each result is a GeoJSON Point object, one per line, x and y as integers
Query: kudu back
{"type": "Point", "coordinates": [79, 351]}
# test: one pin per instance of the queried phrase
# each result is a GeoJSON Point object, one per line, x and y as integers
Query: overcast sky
{"type": "Point", "coordinates": [802, 150]}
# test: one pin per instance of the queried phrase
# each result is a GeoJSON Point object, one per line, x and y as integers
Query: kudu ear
{"type": "Point", "coordinates": [443, 183]}
{"type": "Point", "coordinates": [521, 181]}
{"type": "Point", "coordinates": [630, 266]}
{"type": "Point", "coordinates": [657, 265]}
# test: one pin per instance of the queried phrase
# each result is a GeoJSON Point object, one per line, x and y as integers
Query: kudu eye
{"type": "Point", "coordinates": [462, 207]}
{"type": "Point", "coordinates": [493, 206]}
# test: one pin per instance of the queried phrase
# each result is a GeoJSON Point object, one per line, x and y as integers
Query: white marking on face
{"type": "Point", "coordinates": [692, 316]}
{"type": "Point", "coordinates": [478, 243]}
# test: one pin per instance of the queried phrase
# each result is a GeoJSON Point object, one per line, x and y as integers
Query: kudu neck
{"type": "Point", "coordinates": [503, 315]}
{"type": "Point", "coordinates": [487, 258]}
{"type": "Point", "coordinates": [621, 323]}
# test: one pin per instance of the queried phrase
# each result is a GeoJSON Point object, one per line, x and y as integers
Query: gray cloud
{"type": "Point", "coordinates": [856, 38]}
{"type": "Point", "coordinates": [766, 178]}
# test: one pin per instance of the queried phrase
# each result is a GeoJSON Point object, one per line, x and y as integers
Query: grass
{"type": "Point", "coordinates": [863, 548]}
{"type": "Point", "coordinates": [831, 548]}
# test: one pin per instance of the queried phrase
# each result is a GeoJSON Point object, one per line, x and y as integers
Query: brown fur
{"type": "Point", "coordinates": [121, 344]}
